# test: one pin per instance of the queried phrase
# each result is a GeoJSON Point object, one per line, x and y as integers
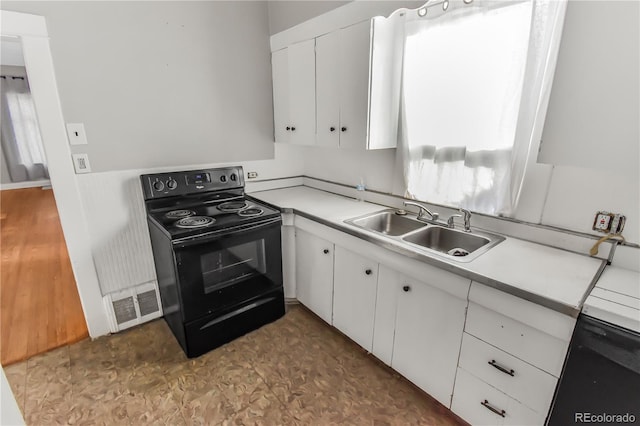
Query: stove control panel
{"type": "Point", "coordinates": [160, 185]}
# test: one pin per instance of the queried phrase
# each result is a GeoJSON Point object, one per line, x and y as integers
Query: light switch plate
{"type": "Point", "coordinates": [77, 135]}
{"type": "Point", "coordinates": [81, 163]}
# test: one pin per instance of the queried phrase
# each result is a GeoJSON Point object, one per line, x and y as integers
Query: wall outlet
{"type": "Point", "coordinates": [77, 135]}
{"type": "Point", "coordinates": [81, 163]}
{"type": "Point", "coordinates": [609, 223]}
{"type": "Point", "coordinates": [252, 175]}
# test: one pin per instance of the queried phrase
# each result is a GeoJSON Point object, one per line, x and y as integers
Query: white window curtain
{"type": "Point", "coordinates": [21, 141]}
{"type": "Point", "coordinates": [471, 87]}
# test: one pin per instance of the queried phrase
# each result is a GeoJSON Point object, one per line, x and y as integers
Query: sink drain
{"type": "Point", "coordinates": [457, 252]}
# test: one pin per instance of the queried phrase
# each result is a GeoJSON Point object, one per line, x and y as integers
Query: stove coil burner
{"type": "Point", "coordinates": [192, 222]}
{"type": "Point", "coordinates": [232, 206]}
{"type": "Point", "coordinates": [179, 214]}
{"type": "Point", "coordinates": [250, 212]}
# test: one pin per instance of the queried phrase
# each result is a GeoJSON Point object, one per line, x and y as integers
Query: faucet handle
{"type": "Point", "coordinates": [450, 222]}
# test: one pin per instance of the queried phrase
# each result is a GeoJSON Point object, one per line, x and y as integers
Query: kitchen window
{"type": "Point", "coordinates": [472, 83]}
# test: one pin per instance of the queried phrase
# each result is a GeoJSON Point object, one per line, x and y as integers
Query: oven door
{"type": "Point", "coordinates": [228, 268]}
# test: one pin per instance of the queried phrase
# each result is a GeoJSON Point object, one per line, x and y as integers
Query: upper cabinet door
{"type": "Point", "coordinates": [280, 72]}
{"type": "Point", "coordinates": [328, 89]}
{"type": "Point", "coordinates": [354, 84]}
{"type": "Point", "coordinates": [302, 92]}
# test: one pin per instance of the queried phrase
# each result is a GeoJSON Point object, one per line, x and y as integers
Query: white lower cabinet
{"type": "Point", "coordinates": [491, 357]}
{"type": "Point", "coordinates": [314, 273]}
{"type": "Point", "coordinates": [355, 280]}
{"type": "Point", "coordinates": [511, 357]}
{"type": "Point", "coordinates": [481, 404]}
{"type": "Point", "coordinates": [428, 330]}
{"type": "Point", "coordinates": [518, 379]}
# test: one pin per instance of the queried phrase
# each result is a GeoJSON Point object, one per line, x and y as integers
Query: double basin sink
{"type": "Point", "coordinates": [406, 228]}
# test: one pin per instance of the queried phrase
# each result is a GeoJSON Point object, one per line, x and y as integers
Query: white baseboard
{"type": "Point", "coordinates": [25, 184]}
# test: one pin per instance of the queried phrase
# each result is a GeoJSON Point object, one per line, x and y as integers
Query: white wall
{"type": "Point", "coordinates": [9, 411]}
{"type": "Point", "coordinates": [11, 63]}
{"type": "Point", "coordinates": [593, 120]}
{"type": "Point", "coordinates": [165, 83]}
{"type": "Point", "coordinates": [285, 14]}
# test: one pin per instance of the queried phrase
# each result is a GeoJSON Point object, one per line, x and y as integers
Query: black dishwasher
{"type": "Point", "coordinates": [600, 383]}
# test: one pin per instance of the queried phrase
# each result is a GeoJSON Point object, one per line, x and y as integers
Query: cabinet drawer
{"type": "Point", "coordinates": [527, 343]}
{"type": "Point", "coordinates": [473, 400]}
{"type": "Point", "coordinates": [523, 382]}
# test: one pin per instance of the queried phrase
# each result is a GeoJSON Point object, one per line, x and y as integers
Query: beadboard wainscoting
{"type": "Point", "coordinates": [117, 229]}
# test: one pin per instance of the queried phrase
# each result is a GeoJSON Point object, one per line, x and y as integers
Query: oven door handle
{"type": "Point", "coordinates": [212, 236]}
{"type": "Point", "coordinates": [237, 312]}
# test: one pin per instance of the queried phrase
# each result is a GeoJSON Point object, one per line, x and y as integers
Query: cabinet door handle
{"type": "Point", "coordinates": [325, 251]}
{"type": "Point", "coordinates": [293, 129]}
{"type": "Point", "coordinates": [288, 128]}
{"type": "Point", "coordinates": [406, 288]}
{"type": "Point", "coordinates": [488, 406]}
{"type": "Point", "coordinates": [344, 129]}
{"type": "Point", "coordinates": [332, 129]}
{"type": "Point", "coordinates": [501, 368]}
{"type": "Point", "coordinates": [368, 272]}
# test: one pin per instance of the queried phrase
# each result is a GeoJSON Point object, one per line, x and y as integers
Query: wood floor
{"type": "Point", "coordinates": [39, 303]}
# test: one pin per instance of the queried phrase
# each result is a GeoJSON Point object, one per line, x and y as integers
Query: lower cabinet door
{"type": "Point", "coordinates": [314, 273]}
{"type": "Point", "coordinates": [429, 324]}
{"type": "Point", "coordinates": [481, 404]}
{"type": "Point", "coordinates": [355, 281]}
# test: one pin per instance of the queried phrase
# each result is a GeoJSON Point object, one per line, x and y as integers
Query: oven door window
{"type": "Point", "coordinates": [219, 274]}
{"type": "Point", "coordinates": [232, 265]}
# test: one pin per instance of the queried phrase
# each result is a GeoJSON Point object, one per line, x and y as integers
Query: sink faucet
{"type": "Point", "coordinates": [421, 213]}
{"type": "Point", "coordinates": [467, 219]}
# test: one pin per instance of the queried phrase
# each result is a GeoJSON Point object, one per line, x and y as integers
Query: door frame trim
{"type": "Point", "coordinates": [32, 31]}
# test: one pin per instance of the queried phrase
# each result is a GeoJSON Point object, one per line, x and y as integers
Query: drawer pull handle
{"type": "Point", "coordinates": [488, 406]}
{"type": "Point", "coordinates": [504, 370]}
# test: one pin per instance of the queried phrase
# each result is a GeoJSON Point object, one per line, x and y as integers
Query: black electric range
{"type": "Point", "coordinates": [217, 255]}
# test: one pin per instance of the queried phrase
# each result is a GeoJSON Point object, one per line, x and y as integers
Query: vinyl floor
{"type": "Point", "coordinates": [296, 371]}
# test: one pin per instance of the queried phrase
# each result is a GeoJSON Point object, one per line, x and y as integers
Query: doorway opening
{"type": "Point", "coordinates": [39, 302]}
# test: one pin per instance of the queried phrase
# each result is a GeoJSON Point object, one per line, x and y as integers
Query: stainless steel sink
{"type": "Point", "coordinates": [420, 237]}
{"type": "Point", "coordinates": [463, 246]}
{"type": "Point", "coordinates": [445, 240]}
{"type": "Point", "coordinates": [388, 222]}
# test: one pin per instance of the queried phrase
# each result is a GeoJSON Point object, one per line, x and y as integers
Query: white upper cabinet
{"type": "Point", "coordinates": [342, 84]}
{"type": "Point", "coordinates": [280, 72]}
{"type": "Point", "coordinates": [325, 84]}
{"type": "Point", "coordinates": [328, 90]}
{"type": "Point", "coordinates": [354, 84]}
{"type": "Point", "coordinates": [294, 93]}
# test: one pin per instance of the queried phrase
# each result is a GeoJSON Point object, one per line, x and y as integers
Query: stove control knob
{"type": "Point", "coordinates": [223, 178]}
{"type": "Point", "coordinates": [172, 184]}
{"type": "Point", "coordinates": [158, 185]}
{"type": "Point", "coordinates": [233, 177]}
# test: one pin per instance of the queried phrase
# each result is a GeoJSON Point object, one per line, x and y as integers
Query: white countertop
{"type": "Point", "coordinates": [521, 267]}
{"type": "Point", "coordinates": [616, 298]}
